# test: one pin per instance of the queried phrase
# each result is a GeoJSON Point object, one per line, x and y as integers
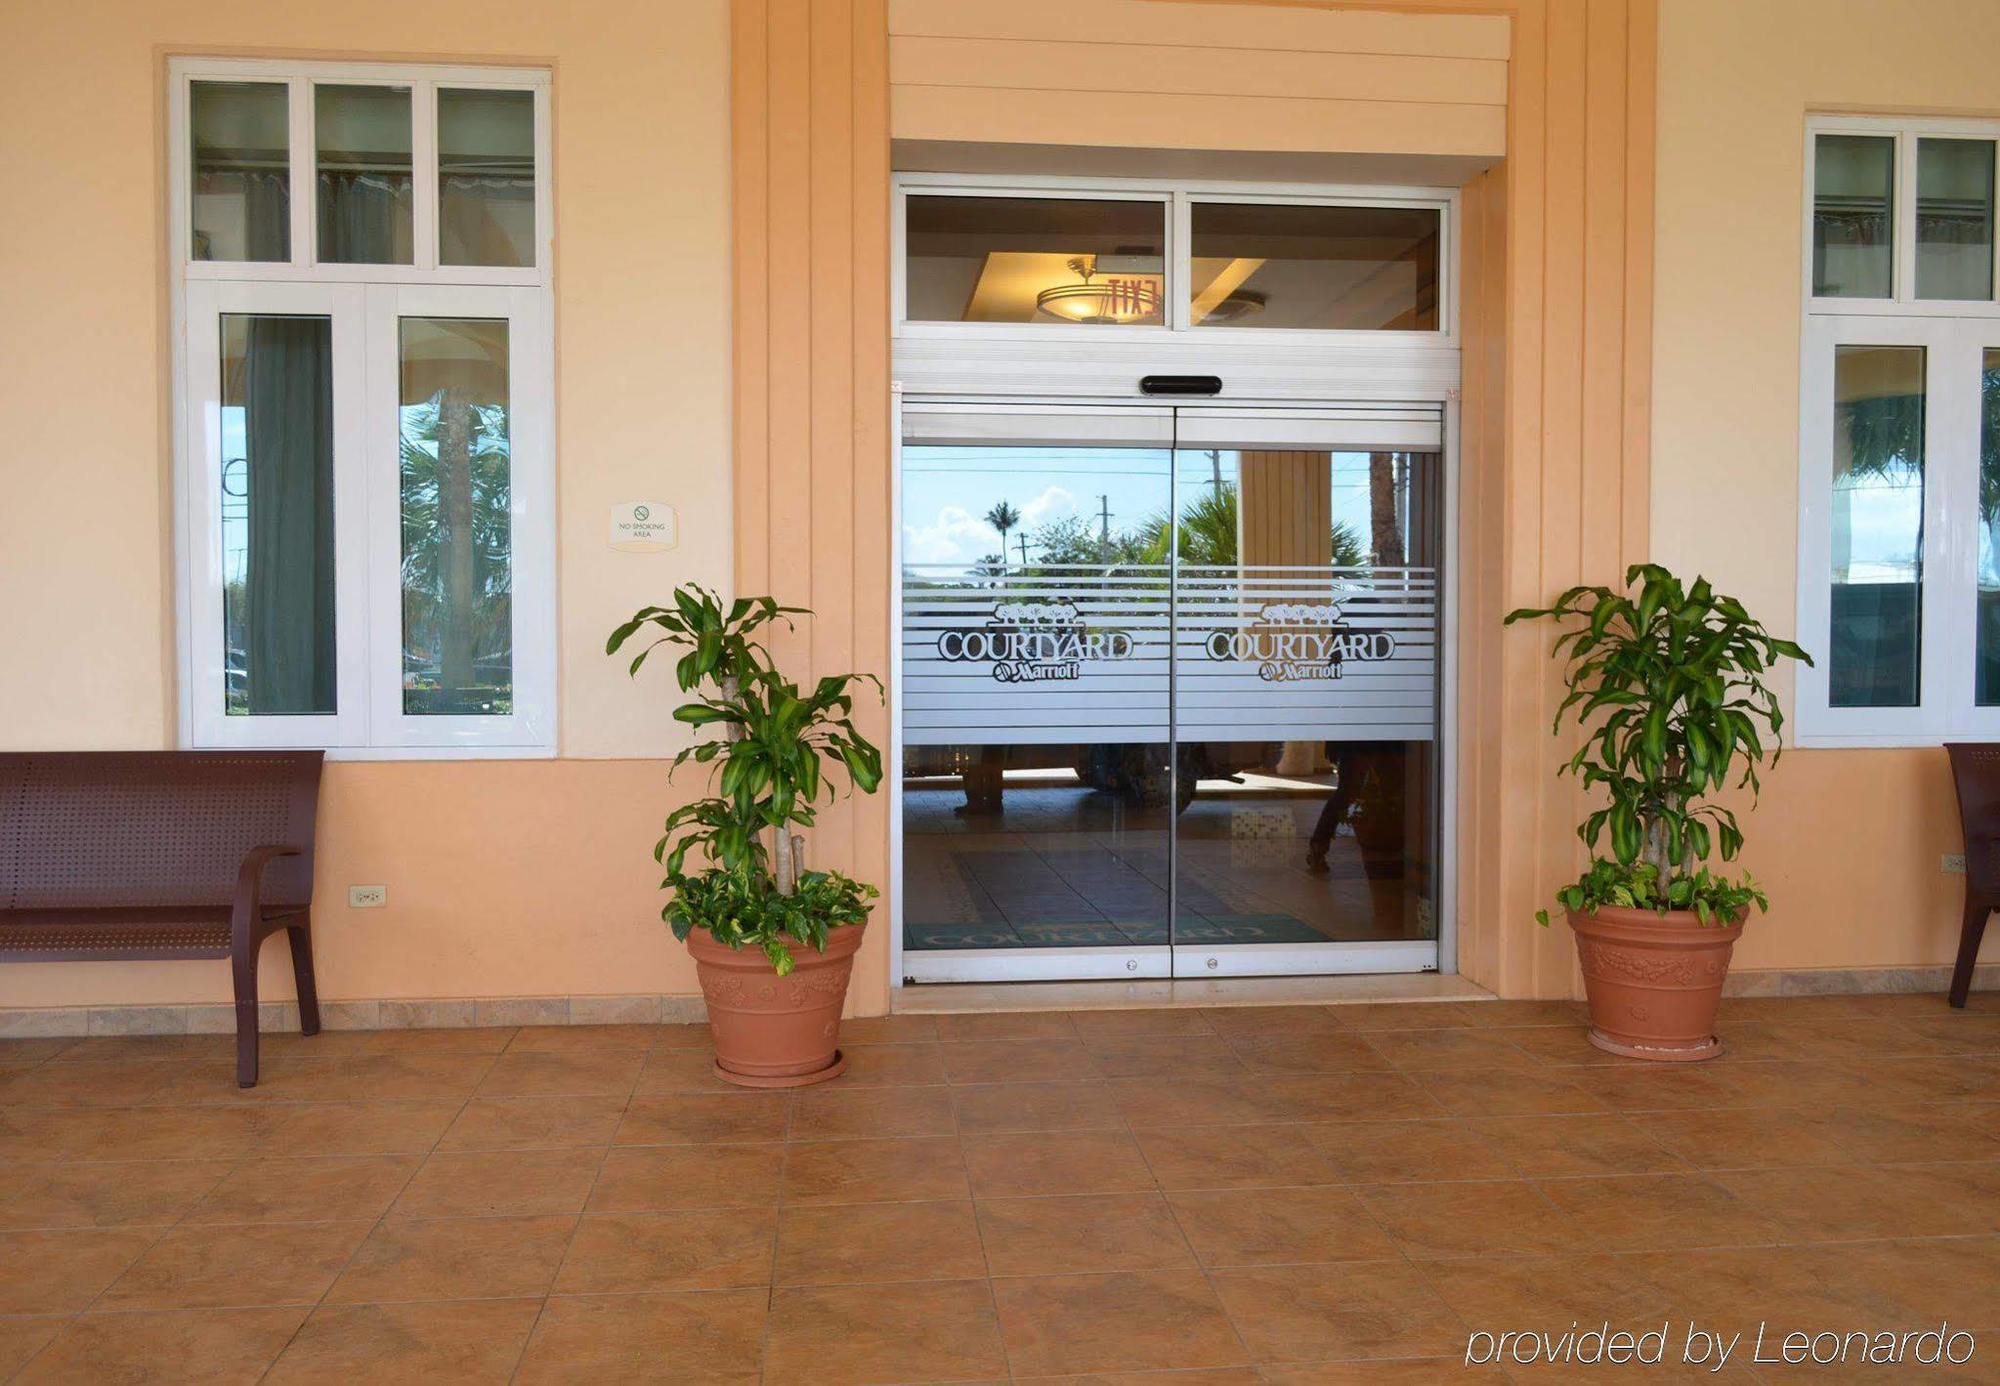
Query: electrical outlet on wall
{"type": "Point", "coordinates": [369, 897]}
{"type": "Point", "coordinates": [1952, 863]}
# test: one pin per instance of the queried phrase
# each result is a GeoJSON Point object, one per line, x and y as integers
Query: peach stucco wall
{"type": "Point", "coordinates": [505, 878]}
{"type": "Point", "coordinates": [1847, 841]}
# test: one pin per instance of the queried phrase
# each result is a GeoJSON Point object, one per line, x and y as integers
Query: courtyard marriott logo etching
{"type": "Point", "coordinates": [1300, 640]}
{"type": "Point", "coordinates": [1717, 1349]}
{"type": "Point", "coordinates": [1034, 642]}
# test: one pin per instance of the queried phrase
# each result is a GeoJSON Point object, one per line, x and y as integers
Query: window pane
{"type": "Point", "coordinates": [1986, 678]}
{"type": "Point", "coordinates": [486, 177]}
{"type": "Point", "coordinates": [1955, 219]}
{"type": "Point", "coordinates": [1360, 268]}
{"type": "Point", "coordinates": [364, 190]}
{"type": "Point", "coordinates": [458, 636]}
{"type": "Point", "coordinates": [241, 149]}
{"type": "Point", "coordinates": [1036, 259]}
{"type": "Point", "coordinates": [1853, 183]}
{"type": "Point", "coordinates": [1878, 526]}
{"type": "Point", "coordinates": [277, 515]}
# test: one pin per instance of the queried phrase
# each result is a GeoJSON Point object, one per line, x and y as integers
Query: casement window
{"type": "Point", "coordinates": [1899, 540]}
{"type": "Point", "coordinates": [365, 476]}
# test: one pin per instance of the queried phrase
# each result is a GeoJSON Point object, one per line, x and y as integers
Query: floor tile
{"type": "Point", "coordinates": [583, 1039]}
{"type": "Point", "coordinates": [1055, 1162]}
{"type": "Point", "coordinates": [1649, 1212]}
{"type": "Point", "coordinates": [1434, 1051]}
{"type": "Point", "coordinates": [320, 1188]}
{"type": "Point", "coordinates": [1504, 1092]}
{"type": "Point", "coordinates": [1372, 1016]}
{"type": "Point", "coordinates": [1035, 1107]}
{"type": "Point", "coordinates": [691, 1120]}
{"type": "Point", "coordinates": [684, 1071]}
{"type": "Point", "coordinates": [1239, 1023]}
{"type": "Point", "coordinates": [1509, 1015]}
{"type": "Point", "coordinates": [470, 1341]}
{"type": "Point", "coordinates": [563, 1073]}
{"type": "Point", "coordinates": [127, 1194]}
{"type": "Point", "coordinates": [527, 1123]}
{"type": "Point", "coordinates": [148, 1133]}
{"type": "Point", "coordinates": [1501, 1218]}
{"type": "Point", "coordinates": [641, 1253]}
{"type": "Point", "coordinates": [835, 1113]}
{"type": "Point", "coordinates": [1005, 1025]}
{"type": "Point", "coordinates": [1342, 1097]}
{"type": "Point", "coordinates": [369, 1077]}
{"type": "Point", "coordinates": [211, 1345]}
{"type": "Point", "coordinates": [22, 1338]}
{"type": "Point", "coordinates": [470, 1039]}
{"type": "Point", "coordinates": [1744, 1137]}
{"type": "Point", "coordinates": [1362, 1309]}
{"type": "Point", "coordinates": [1154, 1056]}
{"type": "Point", "coordinates": [1189, 1102]}
{"type": "Point", "coordinates": [61, 1272]}
{"type": "Point", "coordinates": [1578, 1145]}
{"type": "Point", "coordinates": [455, 1258]}
{"type": "Point", "coordinates": [1661, 1088]}
{"type": "Point", "coordinates": [229, 1266]}
{"type": "Point", "coordinates": [1495, 1291]}
{"type": "Point", "coordinates": [872, 1171]}
{"type": "Point", "coordinates": [1232, 1157]}
{"type": "Point", "coordinates": [360, 1128]}
{"type": "Point", "coordinates": [869, 1243]}
{"type": "Point", "coordinates": [662, 1178]}
{"type": "Point", "coordinates": [1837, 1204]}
{"type": "Point", "coordinates": [486, 1183]}
{"type": "Point", "coordinates": [1128, 1321]}
{"type": "Point", "coordinates": [1261, 1227]}
{"type": "Point", "coordinates": [1329, 1052]}
{"type": "Point", "coordinates": [833, 1335]}
{"type": "Point", "coordinates": [888, 1029]}
{"type": "Point", "coordinates": [892, 1065]}
{"type": "Point", "coordinates": [1885, 1135]}
{"type": "Point", "coordinates": [1056, 1060]}
{"type": "Point", "coordinates": [1153, 1023]}
{"type": "Point", "coordinates": [1404, 1372]}
{"type": "Point", "coordinates": [709, 1336]}
{"type": "Point", "coordinates": [1396, 1152]}
{"type": "Point", "coordinates": [1092, 1232]}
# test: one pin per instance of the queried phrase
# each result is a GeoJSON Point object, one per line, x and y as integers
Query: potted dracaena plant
{"type": "Point", "coordinates": [773, 942]}
{"type": "Point", "coordinates": [1667, 686]}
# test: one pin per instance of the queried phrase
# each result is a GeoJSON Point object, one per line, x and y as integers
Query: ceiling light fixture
{"type": "Point", "coordinates": [1112, 298]}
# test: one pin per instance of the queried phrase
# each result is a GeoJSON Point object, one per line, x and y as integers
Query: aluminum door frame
{"type": "Point", "coordinates": [1159, 962]}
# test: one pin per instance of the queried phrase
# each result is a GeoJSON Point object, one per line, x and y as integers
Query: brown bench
{"type": "Point", "coordinates": [1975, 770]}
{"type": "Point", "coordinates": [162, 854]}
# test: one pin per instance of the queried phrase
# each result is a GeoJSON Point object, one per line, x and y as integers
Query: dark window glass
{"type": "Point", "coordinates": [1340, 268]}
{"type": "Point", "coordinates": [1878, 526]}
{"type": "Point", "coordinates": [1854, 180]}
{"type": "Point", "coordinates": [1035, 259]}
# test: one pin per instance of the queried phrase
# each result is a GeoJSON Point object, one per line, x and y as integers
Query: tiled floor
{"type": "Point", "coordinates": [1304, 1194]}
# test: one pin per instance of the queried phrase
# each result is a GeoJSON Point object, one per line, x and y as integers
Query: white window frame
{"type": "Point", "coordinates": [364, 303]}
{"type": "Point", "coordinates": [1177, 200]}
{"type": "Point", "coordinates": [1954, 335]}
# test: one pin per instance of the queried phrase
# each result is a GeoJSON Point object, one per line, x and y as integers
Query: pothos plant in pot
{"type": "Point", "coordinates": [1667, 685]}
{"type": "Point", "coordinates": [773, 941]}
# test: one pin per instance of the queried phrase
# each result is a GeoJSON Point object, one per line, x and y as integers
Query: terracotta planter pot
{"type": "Point", "coordinates": [1653, 981]}
{"type": "Point", "coordinates": [772, 1031]}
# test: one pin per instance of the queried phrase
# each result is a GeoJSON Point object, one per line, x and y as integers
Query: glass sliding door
{"type": "Point", "coordinates": [1305, 706]}
{"type": "Point", "coordinates": [1037, 786]}
{"type": "Point", "coordinates": [1167, 691]}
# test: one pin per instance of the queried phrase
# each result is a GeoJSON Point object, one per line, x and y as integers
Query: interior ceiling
{"type": "Point", "coordinates": [1256, 166]}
